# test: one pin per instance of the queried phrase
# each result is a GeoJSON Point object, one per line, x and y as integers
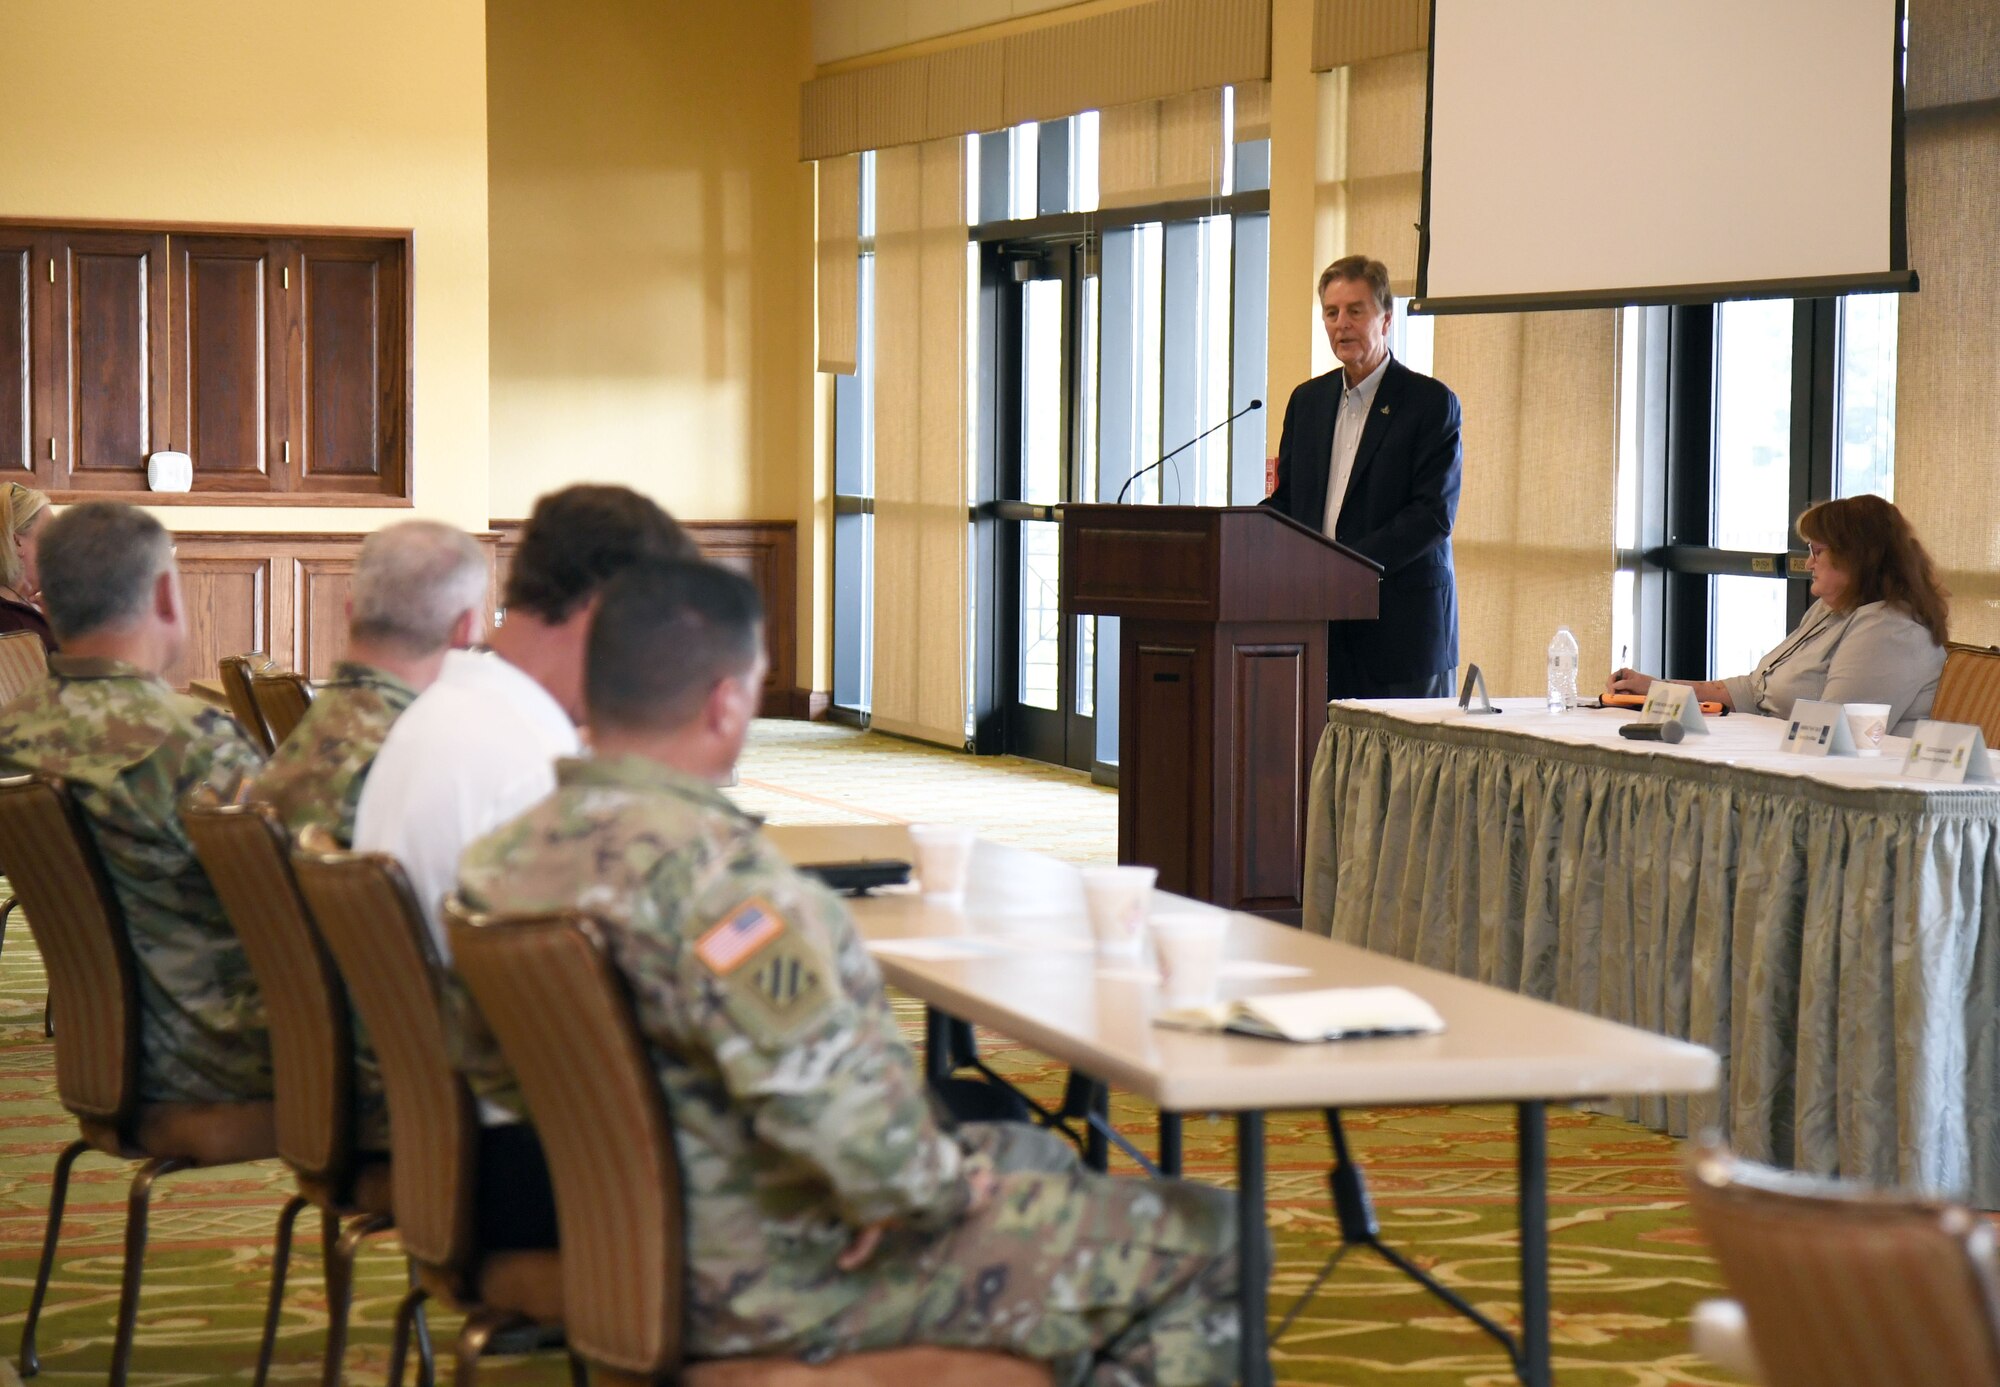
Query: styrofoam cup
{"type": "Point", "coordinates": [1188, 948]}
{"type": "Point", "coordinates": [1868, 724]}
{"type": "Point", "coordinates": [1118, 899]}
{"type": "Point", "coordinates": [944, 859]}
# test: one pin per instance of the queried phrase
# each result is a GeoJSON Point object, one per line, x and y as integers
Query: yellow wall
{"type": "Point", "coordinates": [652, 253]}
{"type": "Point", "coordinates": [362, 113]}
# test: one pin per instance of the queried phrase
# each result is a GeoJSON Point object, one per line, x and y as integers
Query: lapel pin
{"type": "Point", "coordinates": [1385, 409]}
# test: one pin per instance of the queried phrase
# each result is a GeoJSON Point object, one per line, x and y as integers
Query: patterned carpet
{"type": "Point", "coordinates": [1627, 1267]}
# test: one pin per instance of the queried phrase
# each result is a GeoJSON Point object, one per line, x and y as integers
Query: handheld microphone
{"type": "Point", "coordinates": [1254, 404]}
{"type": "Point", "coordinates": [1668, 732]}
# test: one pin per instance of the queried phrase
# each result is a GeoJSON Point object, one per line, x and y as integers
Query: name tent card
{"type": "Point", "coordinates": [1818, 729]}
{"type": "Point", "coordinates": [1949, 753]}
{"type": "Point", "coordinates": [1673, 703]}
{"type": "Point", "coordinates": [1474, 687]}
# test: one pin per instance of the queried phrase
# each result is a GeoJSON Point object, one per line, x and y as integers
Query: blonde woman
{"type": "Point", "coordinates": [22, 510]}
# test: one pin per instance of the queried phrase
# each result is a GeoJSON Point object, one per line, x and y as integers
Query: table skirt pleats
{"type": "Point", "coordinates": [1834, 945]}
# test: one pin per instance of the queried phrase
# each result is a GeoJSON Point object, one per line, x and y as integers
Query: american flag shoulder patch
{"type": "Point", "coordinates": [739, 936]}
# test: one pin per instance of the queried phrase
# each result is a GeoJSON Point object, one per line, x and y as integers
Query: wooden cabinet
{"type": "Point", "coordinates": [20, 422]}
{"type": "Point", "coordinates": [278, 362]}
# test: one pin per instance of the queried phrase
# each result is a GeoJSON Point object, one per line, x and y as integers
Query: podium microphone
{"type": "Point", "coordinates": [1668, 732]}
{"type": "Point", "coordinates": [1254, 404]}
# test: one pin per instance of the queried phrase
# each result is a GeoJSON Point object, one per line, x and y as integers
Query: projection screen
{"type": "Point", "coordinates": [1599, 152]}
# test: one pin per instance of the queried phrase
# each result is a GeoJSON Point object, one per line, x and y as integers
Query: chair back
{"type": "Point", "coordinates": [236, 671]}
{"type": "Point", "coordinates": [242, 847]}
{"type": "Point", "coordinates": [57, 875]}
{"type": "Point", "coordinates": [1969, 688]}
{"type": "Point", "coordinates": [564, 1019]}
{"type": "Point", "coordinates": [370, 920]}
{"type": "Point", "coordinates": [24, 663]}
{"type": "Point", "coordinates": [282, 698]}
{"type": "Point", "coordinates": [1850, 1287]}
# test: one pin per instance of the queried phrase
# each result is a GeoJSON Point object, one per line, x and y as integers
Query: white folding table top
{"type": "Point", "coordinates": [1017, 959]}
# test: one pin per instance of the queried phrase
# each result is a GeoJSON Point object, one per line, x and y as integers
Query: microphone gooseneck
{"type": "Point", "coordinates": [1158, 461]}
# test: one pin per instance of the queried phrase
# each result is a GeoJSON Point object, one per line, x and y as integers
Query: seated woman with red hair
{"type": "Point", "coordinates": [1876, 633]}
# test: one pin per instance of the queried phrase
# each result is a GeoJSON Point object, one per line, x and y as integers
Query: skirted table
{"type": "Point", "coordinates": [1828, 928]}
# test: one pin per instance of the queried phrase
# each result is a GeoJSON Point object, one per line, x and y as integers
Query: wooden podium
{"type": "Point", "coordinates": [1222, 678]}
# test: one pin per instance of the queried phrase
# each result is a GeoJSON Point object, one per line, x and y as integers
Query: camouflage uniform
{"type": "Point", "coordinates": [314, 780]}
{"type": "Point", "coordinates": [130, 750]}
{"type": "Point", "coordinates": [802, 1117]}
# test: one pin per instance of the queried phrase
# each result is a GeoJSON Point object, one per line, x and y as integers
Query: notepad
{"type": "Point", "coordinates": [1335, 1013]}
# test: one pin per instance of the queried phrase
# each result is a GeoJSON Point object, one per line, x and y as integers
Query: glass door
{"type": "Point", "coordinates": [1046, 439]}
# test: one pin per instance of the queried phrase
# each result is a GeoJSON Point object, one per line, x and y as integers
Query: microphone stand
{"type": "Point", "coordinates": [1162, 459]}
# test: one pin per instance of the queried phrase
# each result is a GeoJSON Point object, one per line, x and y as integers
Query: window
{"type": "Point", "coordinates": [854, 486]}
{"type": "Point", "coordinates": [1732, 420]}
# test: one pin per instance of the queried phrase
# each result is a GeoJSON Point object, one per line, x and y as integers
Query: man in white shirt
{"type": "Point", "coordinates": [479, 746]}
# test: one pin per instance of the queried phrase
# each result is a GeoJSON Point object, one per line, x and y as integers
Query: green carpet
{"type": "Point", "coordinates": [1627, 1267]}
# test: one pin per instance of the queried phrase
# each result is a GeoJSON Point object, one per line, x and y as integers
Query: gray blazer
{"type": "Point", "coordinates": [1874, 654]}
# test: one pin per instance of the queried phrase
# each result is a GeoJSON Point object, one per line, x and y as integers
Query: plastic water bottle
{"type": "Point", "coordinates": [1562, 671]}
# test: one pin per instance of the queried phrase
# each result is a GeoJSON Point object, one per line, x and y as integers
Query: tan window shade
{"type": "Point", "coordinates": [1252, 112]}
{"type": "Point", "coordinates": [1534, 544]}
{"type": "Point", "coordinates": [1370, 181]}
{"type": "Point", "coordinates": [839, 254]}
{"type": "Point", "coordinates": [1948, 357]}
{"type": "Point", "coordinates": [921, 289]}
{"type": "Point", "coordinates": [1142, 52]}
{"type": "Point", "coordinates": [1346, 32]}
{"type": "Point", "coordinates": [1160, 151]}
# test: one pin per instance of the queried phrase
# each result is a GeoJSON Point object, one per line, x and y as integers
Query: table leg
{"type": "Point", "coordinates": [937, 1045]}
{"type": "Point", "coordinates": [1096, 1146]}
{"type": "Point", "coordinates": [1253, 1247]}
{"type": "Point", "coordinates": [1537, 1369]}
{"type": "Point", "coordinates": [1170, 1143]}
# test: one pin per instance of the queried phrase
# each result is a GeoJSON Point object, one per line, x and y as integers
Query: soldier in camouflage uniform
{"type": "Point", "coordinates": [131, 749]}
{"type": "Point", "coordinates": [419, 591]}
{"type": "Point", "coordinates": [830, 1210]}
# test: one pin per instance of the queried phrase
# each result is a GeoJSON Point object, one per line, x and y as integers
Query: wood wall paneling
{"type": "Point", "coordinates": [17, 390]}
{"type": "Point", "coordinates": [286, 595]}
{"type": "Point", "coordinates": [323, 586]}
{"type": "Point", "coordinates": [229, 611]}
{"type": "Point", "coordinates": [765, 552]}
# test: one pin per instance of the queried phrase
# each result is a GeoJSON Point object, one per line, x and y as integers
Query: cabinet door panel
{"type": "Point", "coordinates": [222, 365]}
{"type": "Point", "coordinates": [115, 407]}
{"type": "Point", "coordinates": [17, 357]}
{"type": "Point", "coordinates": [351, 336]}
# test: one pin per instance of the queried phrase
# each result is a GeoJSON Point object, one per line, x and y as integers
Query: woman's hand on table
{"type": "Point", "coordinates": [1627, 681]}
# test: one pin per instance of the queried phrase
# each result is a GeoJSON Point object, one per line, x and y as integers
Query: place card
{"type": "Point", "coordinates": [1949, 753]}
{"type": "Point", "coordinates": [1474, 686]}
{"type": "Point", "coordinates": [1818, 729]}
{"type": "Point", "coordinates": [1667, 702]}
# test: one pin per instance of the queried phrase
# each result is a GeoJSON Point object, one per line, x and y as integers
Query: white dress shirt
{"type": "Point", "coordinates": [476, 749]}
{"type": "Point", "coordinates": [1348, 422]}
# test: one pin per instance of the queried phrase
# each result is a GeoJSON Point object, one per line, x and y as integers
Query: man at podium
{"type": "Point", "coordinates": [1370, 455]}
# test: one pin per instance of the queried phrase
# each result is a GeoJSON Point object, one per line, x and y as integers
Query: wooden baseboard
{"type": "Point", "coordinates": [811, 705]}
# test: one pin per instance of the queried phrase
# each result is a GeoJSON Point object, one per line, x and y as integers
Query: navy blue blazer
{"type": "Point", "coordinates": [1402, 497]}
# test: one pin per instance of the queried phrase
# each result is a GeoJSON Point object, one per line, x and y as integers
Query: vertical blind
{"type": "Point", "coordinates": [838, 247]}
{"type": "Point", "coordinates": [1160, 151]}
{"type": "Point", "coordinates": [1139, 52]}
{"type": "Point", "coordinates": [920, 442]}
{"type": "Point", "coordinates": [1948, 336]}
